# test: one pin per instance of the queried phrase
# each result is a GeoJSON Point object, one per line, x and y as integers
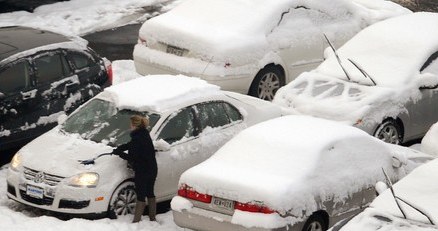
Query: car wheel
{"type": "Point", "coordinates": [123, 200]}
{"type": "Point", "coordinates": [315, 223]}
{"type": "Point", "coordinates": [266, 83]}
{"type": "Point", "coordinates": [390, 132]}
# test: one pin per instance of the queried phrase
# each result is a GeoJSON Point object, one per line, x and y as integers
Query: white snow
{"type": "Point", "coordinates": [79, 17]}
{"type": "Point", "coordinates": [158, 92]}
{"type": "Point", "coordinates": [429, 142]}
{"type": "Point", "coordinates": [123, 70]}
{"type": "Point", "coordinates": [286, 163]}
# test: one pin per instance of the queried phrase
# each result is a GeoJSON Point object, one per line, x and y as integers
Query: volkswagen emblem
{"type": "Point", "coordinates": [39, 178]}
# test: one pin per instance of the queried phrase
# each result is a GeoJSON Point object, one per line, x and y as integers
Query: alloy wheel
{"type": "Point", "coordinates": [268, 86]}
{"type": "Point", "coordinates": [125, 201]}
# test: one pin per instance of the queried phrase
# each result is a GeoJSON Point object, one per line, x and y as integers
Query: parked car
{"type": "Point", "coordinates": [282, 175]}
{"type": "Point", "coordinates": [189, 120]}
{"type": "Point", "coordinates": [385, 85]}
{"type": "Point", "coordinates": [251, 47]}
{"type": "Point", "coordinates": [43, 75]}
{"type": "Point", "coordinates": [416, 195]}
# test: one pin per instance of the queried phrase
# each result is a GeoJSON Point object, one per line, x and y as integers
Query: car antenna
{"type": "Point", "coordinates": [337, 57]}
{"type": "Point", "coordinates": [364, 73]}
{"type": "Point", "coordinates": [404, 201]}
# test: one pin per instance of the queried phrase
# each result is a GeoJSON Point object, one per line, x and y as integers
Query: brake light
{"type": "Point", "coordinates": [188, 192]}
{"type": "Point", "coordinates": [253, 208]}
{"type": "Point", "coordinates": [142, 41]}
{"type": "Point", "coordinates": [109, 71]}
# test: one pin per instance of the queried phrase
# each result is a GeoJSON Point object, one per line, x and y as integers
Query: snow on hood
{"type": "Point", "coordinates": [392, 60]}
{"type": "Point", "coordinates": [159, 92]}
{"type": "Point", "coordinates": [221, 28]}
{"type": "Point", "coordinates": [419, 188]}
{"type": "Point", "coordinates": [289, 161]}
{"type": "Point", "coordinates": [57, 153]}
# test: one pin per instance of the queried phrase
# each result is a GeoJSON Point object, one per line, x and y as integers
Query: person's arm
{"type": "Point", "coordinates": [120, 151]}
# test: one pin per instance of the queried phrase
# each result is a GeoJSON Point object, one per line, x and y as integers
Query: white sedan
{"type": "Point", "coordinates": [251, 46]}
{"type": "Point", "coordinates": [189, 120]}
{"type": "Point", "coordinates": [282, 175]}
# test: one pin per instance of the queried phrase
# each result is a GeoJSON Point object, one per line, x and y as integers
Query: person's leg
{"type": "Point", "coordinates": [139, 209]}
{"type": "Point", "coordinates": [152, 203]}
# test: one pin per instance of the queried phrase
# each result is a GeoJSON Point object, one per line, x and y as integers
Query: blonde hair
{"type": "Point", "coordinates": [139, 121]}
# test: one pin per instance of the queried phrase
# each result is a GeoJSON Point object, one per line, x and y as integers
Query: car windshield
{"type": "Point", "coordinates": [100, 121]}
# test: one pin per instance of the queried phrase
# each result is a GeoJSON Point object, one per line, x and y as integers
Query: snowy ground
{"type": "Point", "coordinates": [14, 216]}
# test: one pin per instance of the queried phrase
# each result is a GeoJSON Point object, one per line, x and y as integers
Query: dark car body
{"type": "Point", "coordinates": [43, 75]}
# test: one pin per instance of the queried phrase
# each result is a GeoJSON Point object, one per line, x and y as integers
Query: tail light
{"type": "Point", "coordinates": [109, 71]}
{"type": "Point", "coordinates": [253, 208]}
{"type": "Point", "coordinates": [142, 41]}
{"type": "Point", "coordinates": [188, 192]}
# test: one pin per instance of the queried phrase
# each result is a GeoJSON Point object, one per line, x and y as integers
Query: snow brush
{"type": "Point", "coordinates": [91, 161]}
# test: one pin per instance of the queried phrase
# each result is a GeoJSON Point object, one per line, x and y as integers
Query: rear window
{"type": "Point", "coordinates": [81, 60]}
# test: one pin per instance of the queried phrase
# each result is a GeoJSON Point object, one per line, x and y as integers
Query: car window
{"type": "Point", "coordinates": [212, 115]}
{"type": "Point", "coordinates": [80, 60]}
{"type": "Point", "coordinates": [431, 65]}
{"type": "Point", "coordinates": [51, 67]}
{"type": "Point", "coordinates": [179, 126]}
{"type": "Point", "coordinates": [15, 78]}
{"type": "Point", "coordinates": [232, 112]}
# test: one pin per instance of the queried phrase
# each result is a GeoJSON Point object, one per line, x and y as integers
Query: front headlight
{"type": "Point", "coordinates": [86, 179]}
{"type": "Point", "coordinates": [16, 162]}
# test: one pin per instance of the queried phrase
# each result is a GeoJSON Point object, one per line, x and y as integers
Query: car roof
{"type": "Point", "coordinates": [29, 38]}
{"type": "Point", "coordinates": [158, 93]}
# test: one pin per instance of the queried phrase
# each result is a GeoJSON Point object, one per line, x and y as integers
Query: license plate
{"type": "Point", "coordinates": [33, 191]}
{"type": "Point", "coordinates": [174, 50]}
{"type": "Point", "coordinates": [223, 203]}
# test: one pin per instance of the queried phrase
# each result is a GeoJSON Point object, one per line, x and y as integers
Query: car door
{"type": "Point", "coordinates": [430, 95]}
{"type": "Point", "coordinates": [180, 130]}
{"type": "Point", "coordinates": [20, 106]}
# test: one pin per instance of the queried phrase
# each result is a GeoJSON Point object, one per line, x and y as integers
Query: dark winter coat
{"type": "Point", "coordinates": [141, 156]}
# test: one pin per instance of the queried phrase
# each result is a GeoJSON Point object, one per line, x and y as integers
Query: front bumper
{"type": "Point", "coordinates": [237, 79]}
{"type": "Point", "coordinates": [59, 198]}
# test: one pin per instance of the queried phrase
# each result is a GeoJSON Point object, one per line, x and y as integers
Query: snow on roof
{"type": "Point", "coordinates": [391, 51]}
{"type": "Point", "coordinates": [159, 92]}
{"type": "Point", "coordinates": [287, 161]}
{"type": "Point", "coordinates": [419, 188]}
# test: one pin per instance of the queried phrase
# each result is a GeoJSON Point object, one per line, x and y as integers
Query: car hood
{"type": "Point", "coordinates": [324, 96]}
{"type": "Point", "coordinates": [57, 153]}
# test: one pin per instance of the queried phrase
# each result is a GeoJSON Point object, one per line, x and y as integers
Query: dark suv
{"type": "Point", "coordinates": [42, 76]}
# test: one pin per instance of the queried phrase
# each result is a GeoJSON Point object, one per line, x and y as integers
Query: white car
{"type": "Point", "coordinates": [384, 80]}
{"type": "Point", "coordinates": [251, 46]}
{"type": "Point", "coordinates": [189, 120]}
{"type": "Point", "coordinates": [418, 189]}
{"type": "Point", "coordinates": [282, 175]}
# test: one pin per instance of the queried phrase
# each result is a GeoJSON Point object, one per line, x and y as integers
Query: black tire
{"type": "Point", "coordinates": [315, 223]}
{"type": "Point", "coordinates": [123, 200]}
{"type": "Point", "coordinates": [266, 83]}
{"type": "Point", "coordinates": [389, 131]}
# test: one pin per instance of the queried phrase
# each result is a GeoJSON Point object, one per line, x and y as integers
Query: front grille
{"type": "Point", "coordinates": [44, 201]}
{"type": "Point", "coordinates": [49, 179]}
{"type": "Point", "coordinates": [11, 190]}
{"type": "Point", "coordinates": [69, 204]}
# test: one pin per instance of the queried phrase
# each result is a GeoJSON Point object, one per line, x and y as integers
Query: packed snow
{"type": "Point", "coordinates": [298, 163]}
{"type": "Point", "coordinates": [80, 17]}
{"type": "Point", "coordinates": [393, 61]}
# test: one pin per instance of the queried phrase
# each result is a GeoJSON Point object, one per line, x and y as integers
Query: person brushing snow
{"type": "Point", "coordinates": [141, 156]}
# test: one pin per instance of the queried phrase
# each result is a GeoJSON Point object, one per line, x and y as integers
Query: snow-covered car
{"type": "Point", "coordinates": [189, 120]}
{"type": "Point", "coordinates": [251, 46]}
{"type": "Point", "coordinates": [282, 175]}
{"type": "Point", "coordinates": [429, 142]}
{"type": "Point", "coordinates": [386, 83]}
{"type": "Point", "coordinates": [416, 196]}
{"type": "Point", "coordinates": [42, 75]}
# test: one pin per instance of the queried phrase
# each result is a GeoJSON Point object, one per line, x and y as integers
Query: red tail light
{"type": "Point", "coordinates": [253, 208]}
{"type": "Point", "coordinates": [142, 41]}
{"type": "Point", "coordinates": [109, 71]}
{"type": "Point", "coordinates": [187, 192]}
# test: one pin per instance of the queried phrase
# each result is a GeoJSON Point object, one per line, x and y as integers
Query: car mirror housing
{"type": "Point", "coordinates": [161, 145]}
{"type": "Point", "coordinates": [396, 162]}
{"type": "Point", "coordinates": [427, 81]}
{"type": "Point", "coordinates": [380, 187]}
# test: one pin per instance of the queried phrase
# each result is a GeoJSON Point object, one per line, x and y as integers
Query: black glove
{"type": "Point", "coordinates": [116, 152]}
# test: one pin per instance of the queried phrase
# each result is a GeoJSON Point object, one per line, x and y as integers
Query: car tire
{"type": "Point", "coordinates": [315, 223]}
{"type": "Point", "coordinates": [123, 200]}
{"type": "Point", "coordinates": [267, 82]}
{"type": "Point", "coordinates": [390, 132]}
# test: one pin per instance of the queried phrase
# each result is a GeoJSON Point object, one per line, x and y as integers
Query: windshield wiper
{"type": "Point", "coordinates": [396, 198]}
{"type": "Point", "coordinates": [364, 73]}
{"type": "Point", "coordinates": [337, 57]}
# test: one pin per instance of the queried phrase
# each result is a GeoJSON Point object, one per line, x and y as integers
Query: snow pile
{"type": "Point", "coordinates": [429, 142]}
{"type": "Point", "coordinates": [158, 92]}
{"type": "Point", "coordinates": [393, 61]}
{"type": "Point", "coordinates": [287, 163]}
{"type": "Point", "coordinates": [79, 17]}
{"type": "Point", "coordinates": [123, 70]}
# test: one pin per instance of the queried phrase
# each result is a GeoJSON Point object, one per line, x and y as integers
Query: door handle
{"type": "Point", "coordinates": [28, 95]}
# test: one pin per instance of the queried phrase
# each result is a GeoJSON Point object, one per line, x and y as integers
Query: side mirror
{"type": "Point", "coordinates": [427, 81]}
{"type": "Point", "coordinates": [161, 145]}
{"type": "Point", "coordinates": [396, 162]}
{"type": "Point", "coordinates": [380, 187]}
